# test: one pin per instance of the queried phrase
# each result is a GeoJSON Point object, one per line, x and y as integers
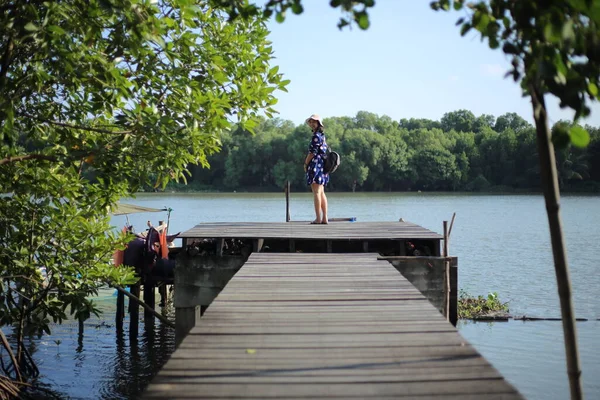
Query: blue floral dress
{"type": "Point", "coordinates": [314, 171]}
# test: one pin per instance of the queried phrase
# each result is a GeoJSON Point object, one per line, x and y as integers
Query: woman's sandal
{"type": "Point", "coordinates": [315, 223]}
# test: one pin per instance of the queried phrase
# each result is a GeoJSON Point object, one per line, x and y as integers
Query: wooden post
{"type": "Point", "coordinates": [292, 246]}
{"type": "Point", "coordinates": [329, 246]}
{"type": "Point", "coordinates": [120, 311]}
{"type": "Point", "coordinates": [402, 249]}
{"type": "Point", "coordinates": [257, 245]}
{"type": "Point", "coordinates": [445, 252]}
{"type": "Point", "coordinates": [80, 326]}
{"type": "Point", "coordinates": [220, 243]}
{"type": "Point", "coordinates": [287, 202]}
{"type": "Point", "coordinates": [149, 296]}
{"type": "Point", "coordinates": [365, 246]}
{"type": "Point", "coordinates": [136, 300]}
{"type": "Point", "coordinates": [446, 272]}
{"type": "Point", "coordinates": [134, 312]}
{"type": "Point", "coordinates": [453, 297]}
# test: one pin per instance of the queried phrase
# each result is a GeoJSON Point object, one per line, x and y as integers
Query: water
{"type": "Point", "coordinates": [502, 243]}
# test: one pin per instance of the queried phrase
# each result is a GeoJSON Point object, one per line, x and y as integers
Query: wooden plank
{"type": "Point", "coordinates": [289, 230]}
{"type": "Point", "coordinates": [179, 388]}
{"type": "Point", "coordinates": [299, 325]}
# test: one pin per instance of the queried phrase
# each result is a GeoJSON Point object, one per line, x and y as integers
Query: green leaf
{"type": "Point", "coordinates": [280, 17]}
{"type": "Point", "coordinates": [363, 20]}
{"type": "Point", "coordinates": [31, 27]}
{"type": "Point", "coordinates": [560, 137]}
{"type": "Point", "coordinates": [509, 48]}
{"type": "Point", "coordinates": [56, 29]}
{"type": "Point", "coordinates": [482, 23]}
{"type": "Point", "coordinates": [567, 31]}
{"type": "Point", "coordinates": [579, 136]}
{"type": "Point", "coordinates": [552, 32]}
{"type": "Point", "coordinates": [465, 28]}
{"type": "Point", "coordinates": [593, 89]}
{"type": "Point", "coordinates": [297, 8]}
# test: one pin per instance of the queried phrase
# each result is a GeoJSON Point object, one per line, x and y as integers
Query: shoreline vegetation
{"type": "Point", "coordinates": [459, 153]}
{"type": "Point", "coordinates": [490, 308]}
{"type": "Point", "coordinates": [501, 190]}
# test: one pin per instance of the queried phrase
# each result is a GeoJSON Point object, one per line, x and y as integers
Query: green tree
{"type": "Point", "coordinates": [419, 123]}
{"type": "Point", "coordinates": [435, 169]}
{"type": "Point", "coordinates": [353, 173]}
{"type": "Point", "coordinates": [98, 99]}
{"type": "Point", "coordinates": [460, 121]}
{"type": "Point", "coordinates": [512, 121]}
{"type": "Point", "coordinates": [483, 121]}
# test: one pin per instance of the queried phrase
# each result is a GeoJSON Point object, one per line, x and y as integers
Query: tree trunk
{"type": "Point", "coordinates": [552, 197]}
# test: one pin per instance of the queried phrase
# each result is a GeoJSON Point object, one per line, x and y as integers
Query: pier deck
{"type": "Point", "coordinates": [304, 230]}
{"type": "Point", "coordinates": [291, 326]}
{"type": "Point", "coordinates": [337, 237]}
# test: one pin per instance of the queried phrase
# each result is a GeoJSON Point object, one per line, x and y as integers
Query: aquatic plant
{"type": "Point", "coordinates": [470, 307]}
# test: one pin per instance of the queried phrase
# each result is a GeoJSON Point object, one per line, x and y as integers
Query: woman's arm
{"type": "Point", "coordinates": [313, 150]}
{"type": "Point", "coordinates": [308, 159]}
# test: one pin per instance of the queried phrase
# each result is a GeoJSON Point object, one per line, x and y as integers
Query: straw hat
{"type": "Point", "coordinates": [315, 117]}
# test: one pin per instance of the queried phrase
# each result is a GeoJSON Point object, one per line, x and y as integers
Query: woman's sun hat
{"type": "Point", "coordinates": [315, 117]}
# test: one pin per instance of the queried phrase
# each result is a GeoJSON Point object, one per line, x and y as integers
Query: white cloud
{"type": "Point", "coordinates": [494, 70]}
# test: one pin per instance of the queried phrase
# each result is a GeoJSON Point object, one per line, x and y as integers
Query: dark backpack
{"type": "Point", "coordinates": [332, 162]}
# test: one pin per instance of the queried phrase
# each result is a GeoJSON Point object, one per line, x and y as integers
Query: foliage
{"type": "Point", "coordinates": [470, 307]}
{"type": "Point", "coordinates": [554, 46]}
{"type": "Point", "coordinates": [379, 154]}
{"type": "Point", "coordinates": [354, 11]}
{"type": "Point", "coordinates": [99, 99]}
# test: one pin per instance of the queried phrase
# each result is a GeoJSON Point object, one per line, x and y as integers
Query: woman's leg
{"type": "Point", "coordinates": [324, 220]}
{"type": "Point", "coordinates": [316, 189]}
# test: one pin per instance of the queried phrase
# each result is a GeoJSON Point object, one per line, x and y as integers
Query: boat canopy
{"type": "Point", "coordinates": [124, 209]}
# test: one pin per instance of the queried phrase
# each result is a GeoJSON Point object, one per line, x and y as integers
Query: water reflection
{"type": "Point", "coordinates": [101, 363]}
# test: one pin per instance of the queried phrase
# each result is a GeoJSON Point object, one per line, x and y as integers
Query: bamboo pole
{"type": "Point", "coordinates": [451, 225]}
{"type": "Point", "coordinates": [146, 306]}
{"type": "Point", "coordinates": [549, 178]}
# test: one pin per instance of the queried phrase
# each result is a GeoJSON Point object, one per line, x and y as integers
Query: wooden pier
{"type": "Point", "coordinates": [390, 238]}
{"type": "Point", "coordinates": [293, 325]}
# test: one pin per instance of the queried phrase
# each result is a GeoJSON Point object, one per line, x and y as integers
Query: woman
{"type": "Point", "coordinates": [316, 178]}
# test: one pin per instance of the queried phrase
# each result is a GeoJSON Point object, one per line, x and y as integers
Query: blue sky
{"type": "Point", "coordinates": [411, 63]}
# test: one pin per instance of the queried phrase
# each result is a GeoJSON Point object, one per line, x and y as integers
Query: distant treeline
{"type": "Point", "coordinates": [461, 152]}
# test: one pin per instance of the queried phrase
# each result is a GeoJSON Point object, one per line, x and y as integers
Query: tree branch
{"type": "Point", "coordinates": [6, 58]}
{"type": "Point", "coordinates": [86, 128]}
{"type": "Point", "coordinates": [9, 160]}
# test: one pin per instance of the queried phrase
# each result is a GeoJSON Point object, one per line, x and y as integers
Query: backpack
{"type": "Point", "coordinates": [332, 162]}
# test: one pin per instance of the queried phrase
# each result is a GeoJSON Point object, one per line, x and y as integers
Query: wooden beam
{"type": "Point", "coordinates": [287, 202]}
{"type": "Point", "coordinates": [257, 245]}
{"type": "Point", "coordinates": [220, 244]}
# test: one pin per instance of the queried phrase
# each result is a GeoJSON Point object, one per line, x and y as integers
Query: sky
{"type": "Point", "coordinates": [411, 63]}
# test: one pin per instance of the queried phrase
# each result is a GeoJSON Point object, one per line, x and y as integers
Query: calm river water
{"type": "Point", "coordinates": [502, 244]}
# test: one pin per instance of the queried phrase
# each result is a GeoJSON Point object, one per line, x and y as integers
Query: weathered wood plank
{"type": "Point", "coordinates": [305, 231]}
{"type": "Point", "coordinates": [325, 326]}
{"type": "Point", "coordinates": [178, 388]}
